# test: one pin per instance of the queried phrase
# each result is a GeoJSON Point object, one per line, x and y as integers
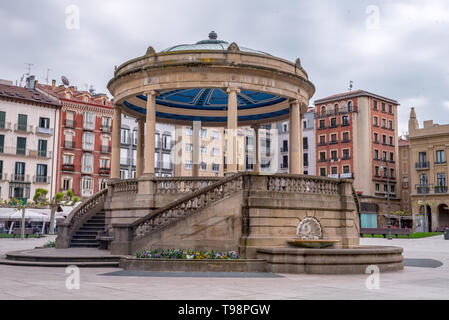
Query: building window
{"type": "Point", "coordinates": [322, 172]}
{"type": "Point", "coordinates": [44, 123]}
{"type": "Point", "coordinates": [123, 174]}
{"type": "Point", "coordinates": [391, 157]}
{"type": "Point", "coordinates": [383, 107]}
{"type": "Point", "coordinates": [384, 155]}
{"type": "Point", "coordinates": [334, 138]}
{"type": "Point", "coordinates": [346, 169]}
{"type": "Point", "coordinates": [188, 165]}
{"type": "Point", "coordinates": [441, 180]}
{"type": "Point", "coordinates": [88, 141]}
{"type": "Point", "coordinates": [21, 146]}
{"type": "Point", "coordinates": [376, 171]}
{"type": "Point", "coordinates": [440, 156]}
{"type": "Point", "coordinates": [42, 148]}
{"type": "Point", "coordinates": [104, 163]}
{"type": "Point", "coordinates": [385, 188]}
{"type": "Point", "coordinates": [322, 124]}
{"type": "Point", "coordinates": [216, 134]}
{"type": "Point", "coordinates": [135, 137]}
{"type": "Point", "coordinates": [203, 150]}
{"type": "Point", "coordinates": [203, 133]}
{"type": "Point", "coordinates": [323, 156]}
{"type": "Point", "coordinates": [215, 167]}
{"type": "Point", "coordinates": [89, 120]}
{"type": "Point", "coordinates": [391, 140]}
{"type": "Point", "coordinates": [203, 166]}
{"type": "Point", "coordinates": [2, 119]}
{"type": "Point", "coordinates": [2, 143]}
{"type": "Point", "coordinates": [390, 108]}
{"type": "Point", "coordinates": [67, 159]}
{"type": "Point", "coordinates": [215, 152]}
{"type": "Point", "coordinates": [345, 120]}
{"type": "Point", "coordinates": [189, 147]}
{"type": "Point", "coordinates": [334, 155]}
{"type": "Point", "coordinates": [334, 170]}
{"type": "Point", "coordinates": [393, 189]}
{"type": "Point", "coordinates": [322, 140]}
{"type": "Point", "coordinates": [306, 159]}
{"type": "Point", "coordinates": [103, 184]}
{"type": "Point", "coordinates": [375, 105]}
{"type": "Point", "coordinates": [166, 142]}
{"type": "Point", "coordinates": [41, 173]}
{"type": "Point", "coordinates": [22, 122]}
{"type": "Point", "coordinates": [345, 136]}
{"type": "Point", "coordinates": [384, 139]}
{"type": "Point", "coordinates": [390, 124]}
{"type": "Point", "coordinates": [376, 154]}
{"type": "Point", "coordinates": [333, 122]}
{"type": "Point", "coordinates": [376, 121]}
{"type": "Point", "coordinates": [66, 184]}
{"type": "Point", "coordinates": [376, 137]}
{"type": "Point", "coordinates": [87, 186]}
{"type": "Point", "coordinates": [189, 131]}
{"type": "Point", "coordinates": [87, 163]}
{"type": "Point", "coordinates": [423, 179]}
{"type": "Point", "coordinates": [377, 187]}
{"type": "Point", "coordinates": [346, 155]}
{"type": "Point", "coordinates": [124, 138]}
{"type": "Point", "coordinates": [305, 142]}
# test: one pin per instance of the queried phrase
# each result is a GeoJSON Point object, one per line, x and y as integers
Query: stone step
{"type": "Point", "coordinates": [84, 237]}
{"type": "Point", "coordinates": [98, 264]}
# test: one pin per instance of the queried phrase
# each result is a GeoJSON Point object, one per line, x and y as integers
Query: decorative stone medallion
{"type": "Point", "coordinates": [309, 229]}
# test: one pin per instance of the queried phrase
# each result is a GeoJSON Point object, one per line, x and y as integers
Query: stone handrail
{"type": "Point", "coordinates": [188, 205]}
{"type": "Point", "coordinates": [126, 186]}
{"type": "Point", "coordinates": [86, 207]}
{"type": "Point", "coordinates": [302, 184]}
{"type": "Point", "coordinates": [174, 185]}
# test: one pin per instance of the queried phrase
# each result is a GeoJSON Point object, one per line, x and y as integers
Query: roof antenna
{"type": "Point", "coordinates": [26, 74]}
{"type": "Point", "coordinates": [48, 74]}
{"type": "Point", "coordinates": [351, 85]}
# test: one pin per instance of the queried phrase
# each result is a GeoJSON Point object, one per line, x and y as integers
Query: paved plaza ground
{"type": "Point", "coordinates": [423, 278]}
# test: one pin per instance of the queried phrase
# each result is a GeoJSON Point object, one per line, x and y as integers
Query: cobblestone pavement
{"type": "Point", "coordinates": [412, 283]}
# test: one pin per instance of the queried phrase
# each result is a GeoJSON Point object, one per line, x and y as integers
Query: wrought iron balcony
{"type": "Point", "coordinates": [20, 178]}
{"type": "Point", "coordinates": [422, 165]}
{"type": "Point", "coordinates": [346, 176]}
{"type": "Point", "coordinates": [283, 150]}
{"type": "Point", "coordinates": [23, 128]}
{"type": "Point", "coordinates": [106, 149]}
{"type": "Point", "coordinates": [69, 144]}
{"type": "Point", "coordinates": [70, 124]}
{"type": "Point", "coordinates": [104, 171]}
{"type": "Point", "coordinates": [68, 167]}
{"type": "Point", "coordinates": [440, 189]}
{"type": "Point", "coordinates": [42, 179]}
{"type": "Point", "coordinates": [44, 131]}
{"type": "Point", "coordinates": [333, 142]}
{"type": "Point", "coordinates": [106, 129]}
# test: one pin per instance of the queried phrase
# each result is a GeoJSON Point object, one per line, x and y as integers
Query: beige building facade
{"type": "Point", "coordinates": [429, 171]}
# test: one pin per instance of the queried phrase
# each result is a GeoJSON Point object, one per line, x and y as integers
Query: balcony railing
{"type": "Point", "coordinates": [68, 167]}
{"type": "Point", "coordinates": [346, 176]}
{"type": "Point", "coordinates": [44, 131]}
{"type": "Point", "coordinates": [106, 129]}
{"type": "Point", "coordinates": [88, 146]}
{"type": "Point", "coordinates": [106, 149]}
{"type": "Point", "coordinates": [70, 124]}
{"type": "Point", "coordinates": [333, 142]}
{"type": "Point", "coordinates": [440, 189]}
{"type": "Point", "coordinates": [332, 126]}
{"type": "Point", "coordinates": [423, 189]}
{"type": "Point", "coordinates": [322, 160]}
{"type": "Point", "coordinates": [345, 123]}
{"type": "Point", "coordinates": [88, 125]}
{"type": "Point", "coordinates": [20, 178]}
{"type": "Point", "coordinates": [23, 128]}
{"type": "Point", "coordinates": [306, 147]}
{"type": "Point", "coordinates": [69, 144]}
{"type": "Point", "coordinates": [283, 150]}
{"type": "Point", "coordinates": [284, 165]}
{"type": "Point", "coordinates": [345, 141]}
{"type": "Point", "coordinates": [440, 162]}
{"type": "Point", "coordinates": [5, 126]}
{"type": "Point", "coordinates": [42, 179]}
{"type": "Point", "coordinates": [104, 171]}
{"type": "Point", "coordinates": [322, 144]}
{"type": "Point", "coordinates": [422, 165]}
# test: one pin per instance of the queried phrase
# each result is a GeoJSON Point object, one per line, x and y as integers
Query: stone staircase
{"type": "Point", "coordinates": [86, 235]}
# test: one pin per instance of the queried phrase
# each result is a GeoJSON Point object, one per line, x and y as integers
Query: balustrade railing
{"type": "Point", "coordinates": [188, 205]}
{"type": "Point", "coordinates": [125, 186]}
{"type": "Point", "coordinates": [182, 185]}
{"type": "Point", "coordinates": [301, 184]}
{"type": "Point", "coordinates": [86, 207]}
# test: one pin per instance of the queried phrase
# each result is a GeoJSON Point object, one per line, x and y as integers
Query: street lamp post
{"type": "Point", "coordinates": [388, 198]}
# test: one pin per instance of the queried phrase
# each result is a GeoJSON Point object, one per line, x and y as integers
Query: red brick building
{"type": "Point", "coordinates": [356, 134]}
{"type": "Point", "coordinates": [84, 147]}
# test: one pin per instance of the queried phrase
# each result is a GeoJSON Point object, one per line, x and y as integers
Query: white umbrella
{"type": "Point", "coordinates": [29, 215]}
{"type": "Point", "coordinates": [5, 213]}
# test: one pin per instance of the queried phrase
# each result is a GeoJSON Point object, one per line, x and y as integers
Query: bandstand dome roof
{"type": "Point", "coordinates": [191, 82]}
{"type": "Point", "coordinates": [211, 44]}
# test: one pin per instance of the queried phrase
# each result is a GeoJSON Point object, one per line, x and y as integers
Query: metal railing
{"type": "Point", "coordinates": [44, 131]}
{"type": "Point", "coordinates": [42, 179]}
{"type": "Point", "coordinates": [422, 165]}
{"type": "Point", "coordinates": [69, 144]}
{"type": "Point", "coordinates": [70, 124]}
{"type": "Point", "coordinates": [23, 128]}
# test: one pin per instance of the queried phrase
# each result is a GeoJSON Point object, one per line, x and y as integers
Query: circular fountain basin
{"type": "Point", "coordinates": [314, 244]}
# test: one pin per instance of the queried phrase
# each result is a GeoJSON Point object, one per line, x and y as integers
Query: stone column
{"type": "Point", "coordinates": [150, 134]}
{"type": "Point", "coordinates": [116, 143]}
{"type": "Point", "coordinates": [231, 155]}
{"type": "Point", "coordinates": [140, 147]}
{"type": "Point", "coordinates": [196, 142]}
{"type": "Point", "coordinates": [256, 148]}
{"type": "Point", "coordinates": [295, 139]}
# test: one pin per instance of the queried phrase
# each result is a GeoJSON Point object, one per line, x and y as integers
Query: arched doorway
{"type": "Point", "coordinates": [443, 216]}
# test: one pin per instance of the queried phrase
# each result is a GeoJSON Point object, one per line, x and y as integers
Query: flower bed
{"type": "Point", "coordinates": [181, 254]}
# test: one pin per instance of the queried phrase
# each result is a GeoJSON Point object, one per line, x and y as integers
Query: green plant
{"type": "Point", "coordinates": [50, 244]}
{"type": "Point", "coordinates": [186, 254]}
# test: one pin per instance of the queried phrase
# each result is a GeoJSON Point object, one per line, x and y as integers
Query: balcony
{"type": "Point", "coordinates": [440, 162]}
{"type": "Point", "coordinates": [421, 165]}
{"type": "Point", "coordinates": [44, 131]}
{"type": "Point", "coordinates": [334, 176]}
{"type": "Point", "coordinates": [106, 129]}
{"type": "Point", "coordinates": [345, 141]}
{"type": "Point", "coordinates": [333, 142]}
{"type": "Point", "coordinates": [40, 154]}
{"type": "Point", "coordinates": [346, 176]}
{"type": "Point", "coordinates": [284, 150]}
{"type": "Point", "coordinates": [70, 124]}
{"type": "Point", "coordinates": [23, 128]}
{"type": "Point", "coordinates": [322, 160]}
{"type": "Point", "coordinates": [68, 167]}
{"type": "Point", "coordinates": [321, 127]}
{"type": "Point", "coordinates": [5, 126]}
{"type": "Point", "coordinates": [284, 165]}
{"type": "Point", "coordinates": [306, 147]}
{"type": "Point", "coordinates": [345, 123]}
{"type": "Point", "coordinates": [423, 189]}
{"type": "Point", "coordinates": [106, 149]}
{"type": "Point", "coordinates": [42, 179]}
{"type": "Point", "coordinates": [440, 189]}
{"type": "Point", "coordinates": [104, 171]}
{"type": "Point", "coordinates": [320, 144]}
{"type": "Point", "coordinates": [88, 146]}
{"type": "Point", "coordinates": [69, 144]}
{"type": "Point", "coordinates": [20, 178]}
{"type": "Point", "coordinates": [89, 125]}
{"type": "Point", "coordinates": [125, 161]}
{"type": "Point", "coordinates": [333, 125]}
{"type": "Point", "coordinates": [376, 141]}
{"type": "Point", "coordinates": [346, 158]}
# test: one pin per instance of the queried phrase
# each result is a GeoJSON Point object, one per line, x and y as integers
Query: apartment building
{"type": "Point", "coordinates": [356, 135]}
{"type": "Point", "coordinates": [426, 179]}
{"type": "Point", "coordinates": [308, 125]}
{"type": "Point", "coordinates": [84, 149]}
{"type": "Point", "coordinates": [29, 123]}
{"type": "Point", "coordinates": [210, 158]}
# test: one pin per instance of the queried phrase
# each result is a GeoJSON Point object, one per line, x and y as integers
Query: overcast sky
{"type": "Point", "coordinates": [398, 49]}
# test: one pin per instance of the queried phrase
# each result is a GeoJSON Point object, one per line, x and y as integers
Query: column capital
{"type": "Point", "coordinates": [140, 120]}
{"type": "Point", "coordinates": [232, 89]}
{"type": "Point", "coordinates": [255, 126]}
{"type": "Point", "coordinates": [151, 93]}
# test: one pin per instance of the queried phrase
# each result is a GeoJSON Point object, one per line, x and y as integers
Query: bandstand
{"type": "Point", "coordinates": [214, 84]}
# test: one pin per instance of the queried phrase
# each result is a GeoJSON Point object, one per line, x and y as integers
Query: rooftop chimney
{"type": "Point", "coordinates": [53, 84]}
{"type": "Point", "coordinates": [30, 82]}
